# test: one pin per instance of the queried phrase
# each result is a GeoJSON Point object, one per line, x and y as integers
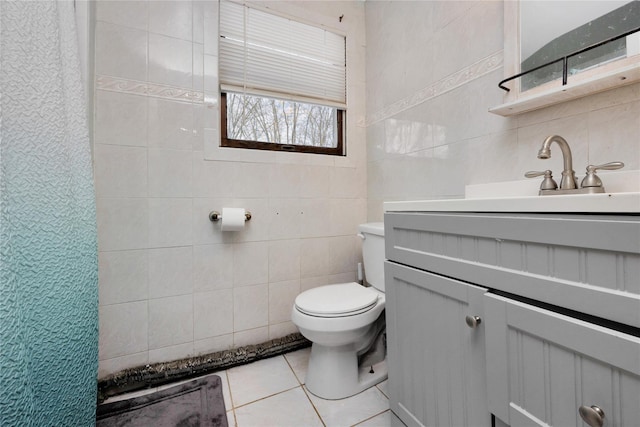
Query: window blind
{"type": "Point", "coordinates": [265, 54]}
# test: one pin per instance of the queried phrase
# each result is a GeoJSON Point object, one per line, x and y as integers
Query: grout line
{"type": "Point", "coordinates": [292, 370]}
{"type": "Point", "coordinates": [383, 393]}
{"type": "Point", "coordinates": [371, 417]}
{"type": "Point", "coordinates": [265, 397]}
{"type": "Point", "coordinates": [233, 410]}
{"type": "Point", "coordinates": [226, 374]}
{"type": "Point", "coordinates": [304, 389]}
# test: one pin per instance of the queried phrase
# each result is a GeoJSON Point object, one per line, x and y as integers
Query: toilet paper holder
{"type": "Point", "coordinates": [216, 216]}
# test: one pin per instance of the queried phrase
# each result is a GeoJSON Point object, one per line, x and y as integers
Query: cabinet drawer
{"type": "Point", "coordinates": [542, 366]}
{"type": "Point", "coordinates": [436, 362]}
{"type": "Point", "coordinates": [586, 263]}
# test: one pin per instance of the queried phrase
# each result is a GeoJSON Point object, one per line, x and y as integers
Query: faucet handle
{"type": "Point", "coordinates": [548, 183]}
{"type": "Point", "coordinates": [592, 180]}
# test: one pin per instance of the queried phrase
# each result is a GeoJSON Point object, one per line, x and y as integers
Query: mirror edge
{"type": "Point", "coordinates": [514, 103]}
{"type": "Point", "coordinates": [511, 52]}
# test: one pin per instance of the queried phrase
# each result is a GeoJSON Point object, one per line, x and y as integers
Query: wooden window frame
{"type": "Point", "coordinates": [272, 146]}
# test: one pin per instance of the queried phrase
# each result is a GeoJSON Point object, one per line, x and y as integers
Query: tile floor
{"type": "Point", "coordinates": [271, 392]}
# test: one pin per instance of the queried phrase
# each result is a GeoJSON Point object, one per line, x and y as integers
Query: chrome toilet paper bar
{"type": "Point", "coordinates": [216, 216]}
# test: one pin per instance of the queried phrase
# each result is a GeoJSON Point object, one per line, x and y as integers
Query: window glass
{"type": "Point", "coordinates": [274, 124]}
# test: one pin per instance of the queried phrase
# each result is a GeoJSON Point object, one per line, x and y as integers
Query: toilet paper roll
{"type": "Point", "coordinates": [232, 219]}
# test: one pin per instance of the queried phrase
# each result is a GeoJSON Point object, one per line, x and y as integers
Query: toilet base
{"type": "Point", "coordinates": [333, 372]}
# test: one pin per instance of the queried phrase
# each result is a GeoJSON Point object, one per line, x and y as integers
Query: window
{"type": "Point", "coordinates": [283, 83]}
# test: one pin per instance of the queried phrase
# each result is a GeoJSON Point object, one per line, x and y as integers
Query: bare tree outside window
{"type": "Point", "coordinates": [274, 124]}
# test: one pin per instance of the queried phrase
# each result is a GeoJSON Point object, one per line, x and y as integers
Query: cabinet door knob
{"type": "Point", "coordinates": [592, 415]}
{"type": "Point", "coordinates": [473, 321]}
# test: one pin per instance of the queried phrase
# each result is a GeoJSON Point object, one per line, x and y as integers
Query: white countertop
{"type": "Point", "coordinates": [623, 196]}
{"type": "Point", "coordinates": [592, 203]}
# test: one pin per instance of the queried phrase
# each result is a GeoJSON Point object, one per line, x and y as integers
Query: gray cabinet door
{"type": "Point", "coordinates": [542, 366]}
{"type": "Point", "coordinates": [436, 362]}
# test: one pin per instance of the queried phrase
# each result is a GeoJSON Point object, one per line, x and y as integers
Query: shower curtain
{"type": "Point", "coordinates": [48, 253]}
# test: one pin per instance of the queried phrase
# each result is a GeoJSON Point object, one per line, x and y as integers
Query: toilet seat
{"type": "Point", "coordinates": [346, 299]}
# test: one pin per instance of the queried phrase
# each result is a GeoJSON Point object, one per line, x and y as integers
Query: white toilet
{"type": "Point", "coordinates": [345, 323]}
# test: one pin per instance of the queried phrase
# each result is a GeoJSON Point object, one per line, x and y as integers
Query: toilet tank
{"type": "Point", "coordinates": [372, 235]}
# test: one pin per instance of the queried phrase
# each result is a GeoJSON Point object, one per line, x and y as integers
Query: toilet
{"type": "Point", "coordinates": [345, 323]}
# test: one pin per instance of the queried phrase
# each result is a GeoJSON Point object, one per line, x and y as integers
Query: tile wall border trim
{"type": "Point", "coordinates": [449, 83]}
{"type": "Point", "coordinates": [156, 90]}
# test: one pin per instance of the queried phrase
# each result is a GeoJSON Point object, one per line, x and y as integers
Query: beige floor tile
{"type": "Point", "coordinates": [352, 410]}
{"type": "Point", "coordinates": [384, 387]}
{"type": "Point", "coordinates": [260, 379]}
{"type": "Point", "coordinates": [380, 420]}
{"type": "Point", "coordinates": [288, 409]}
{"type": "Point", "coordinates": [299, 360]}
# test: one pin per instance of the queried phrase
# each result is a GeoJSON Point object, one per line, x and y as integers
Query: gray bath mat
{"type": "Point", "coordinates": [198, 403]}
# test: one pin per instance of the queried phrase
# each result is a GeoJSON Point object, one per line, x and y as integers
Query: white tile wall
{"type": "Point", "coordinates": [121, 171]}
{"type": "Point", "coordinates": [212, 267]}
{"type": "Point", "coordinates": [132, 14]}
{"type": "Point", "coordinates": [123, 328]}
{"type": "Point", "coordinates": [122, 223]}
{"type": "Point", "coordinates": [429, 132]}
{"type": "Point", "coordinates": [220, 342]}
{"type": "Point", "coordinates": [314, 257]}
{"type": "Point", "coordinates": [170, 272]}
{"type": "Point", "coordinates": [170, 222]}
{"type": "Point", "coordinates": [172, 124]}
{"type": "Point", "coordinates": [120, 119]}
{"type": "Point", "coordinates": [213, 313]}
{"type": "Point", "coordinates": [171, 18]}
{"type": "Point", "coordinates": [120, 276]}
{"type": "Point", "coordinates": [251, 306]}
{"type": "Point", "coordinates": [121, 51]}
{"type": "Point", "coordinates": [281, 299]}
{"type": "Point", "coordinates": [171, 283]}
{"type": "Point", "coordinates": [251, 263]}
{"type": "Point", "coordinates": [170, 173]}
{"type": "Point", "coordinates": [170, 321]}
{"type": "Point", "coordinates": [170, 61]}
{"type": "Point", "coordinates": [284, 260]}
{"type": "Point", "coordinates": [315, 217]}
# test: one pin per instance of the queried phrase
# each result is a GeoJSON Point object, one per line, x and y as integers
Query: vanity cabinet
{"type": "Point", "coordinates": [543, 366]}
{"type": "Point", "coordinates": [558, 298]}
{"type": "Point", "coordinates": [436, 361]}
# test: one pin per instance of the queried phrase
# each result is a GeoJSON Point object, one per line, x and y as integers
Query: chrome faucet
{"type": "Point", "coordinates": [568, 180]}
{"type": "Point", "coordinates": [568, 183]}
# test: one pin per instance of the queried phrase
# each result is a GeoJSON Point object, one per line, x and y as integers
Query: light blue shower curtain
{"type": "Point", "coordinates": [48, 253]}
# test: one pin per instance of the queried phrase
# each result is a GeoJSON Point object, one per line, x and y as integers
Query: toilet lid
{"type": "Point", "coordinates": [345, 299]}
